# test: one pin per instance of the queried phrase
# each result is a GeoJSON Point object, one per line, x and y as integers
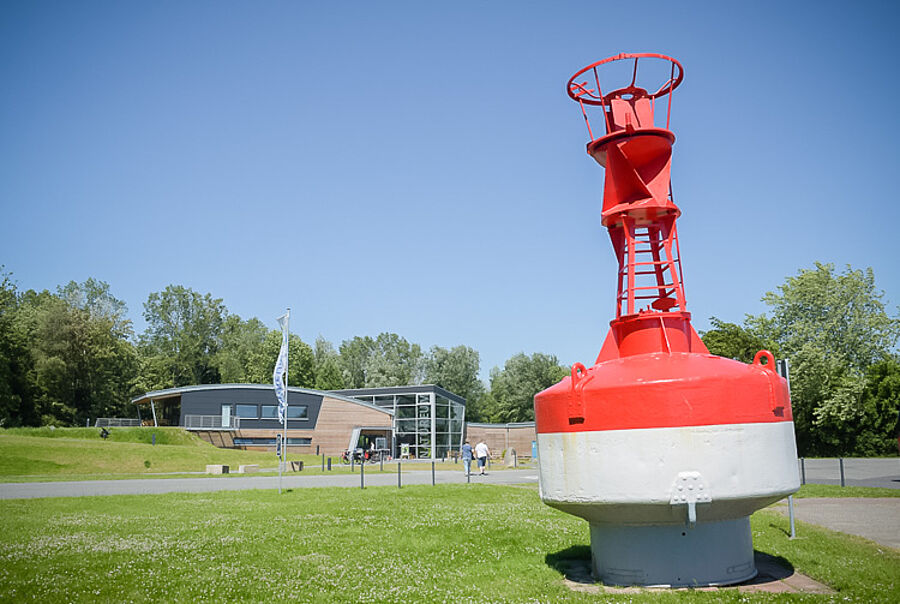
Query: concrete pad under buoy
{"type": "Point", "coordinates": [772, 577]}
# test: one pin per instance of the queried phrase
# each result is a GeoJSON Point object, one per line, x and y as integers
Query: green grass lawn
{"type": "Point", "coordinates": [41, 454]}
{"type": "Point", "coordinates": [71, 457]}
{"type": "Point", "coordinates": [164, 436]}
{"type": "Point", "coordinates": [450, 543]}
{"type": "Point", "coordinates": [833, 490]}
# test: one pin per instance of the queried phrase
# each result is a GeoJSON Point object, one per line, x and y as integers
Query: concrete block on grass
{"type": "Point", "coordinates": [216, 469]}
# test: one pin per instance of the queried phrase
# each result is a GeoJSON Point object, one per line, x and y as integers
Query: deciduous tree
{"type": "Point", "coordinates": [327, 366]}
{"type": "Point", "coordinates": [355, 354]}
{"type": "Point", "coordinates": [16, 398]}
{"type": "Point", "coordinates": [394, 362]}
{"type": "Point", "coordinates": [183, 336]}
{"type": "Point", "coordinates": [513, 387]}
{"type": "Point", "coordinates": [736, 342]}
{"type": "Point", "coordinates": [455, 369]}
{"type": "Point", "coordinates": [301, 362]}
{"type": "Point", "coordinates": [81, 360]}
{"type": "Point", "coordinates": [833, 327]}
{"type": "Point", "coordinates": [241, 340]}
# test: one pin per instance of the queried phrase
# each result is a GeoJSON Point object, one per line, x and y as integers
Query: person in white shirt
{"type": "Point", "coordinates": [481, 453]}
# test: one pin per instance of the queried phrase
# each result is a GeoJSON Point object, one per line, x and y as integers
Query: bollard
{"type": "Point", "coordinates": [469, 473]}
{"type": "Point", "coordinates": [515, 461]}
{"type": "Point", "coordinates": [841, 459]}
{"type": "Point", "coordinates": [351, 463]}
{"type": "Point", "coordinates": [381, 461]}
{"type": "Point", "coordinates": [323, 461]}
{"type": "Point", "coordinates": [432, 473]}
{"type": "Point", "coordinates": [362, 475]}
{"type": "Point", "coordinates": [791, 510]}
{"type": "Point", "coordinates": [398, 476]}
{"type": "Point", "coordinates": [87, 423]}
{"type": "Point", "coordinates": [317, 449]}
{"type": "Point", "coordinates": [329, 464]}
{"type": "Point", "coordinates": [153, 438]}
{"type": "Point", "coordinates": [802, 470]}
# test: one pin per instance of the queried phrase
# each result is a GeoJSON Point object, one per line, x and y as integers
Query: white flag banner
{"type": "Point", "coordinates": [281, 369]}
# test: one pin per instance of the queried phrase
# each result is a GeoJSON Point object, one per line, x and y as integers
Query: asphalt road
{"type": "Point", "coordinates": [882, 472]}
{"type": "Point", "coordinates": [237, 482]}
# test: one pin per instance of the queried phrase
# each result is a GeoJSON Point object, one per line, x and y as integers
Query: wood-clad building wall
{"type": "Point", "coordinates": [323, 422]}
{"type": "Point", "coordinates": [337, 420]}
{"type": "Point", "coordinates": [334, 426]}
{"type": "Point", "coordinates": [499, 437]}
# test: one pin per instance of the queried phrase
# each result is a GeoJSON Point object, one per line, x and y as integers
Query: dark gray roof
{"type": "Point", "coordinates": [402, 390]}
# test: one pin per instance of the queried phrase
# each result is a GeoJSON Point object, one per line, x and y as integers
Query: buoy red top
{"type": "Point", "coordinates": [653, 370]}
{"type": "Point", "coordinates": [660, 390]}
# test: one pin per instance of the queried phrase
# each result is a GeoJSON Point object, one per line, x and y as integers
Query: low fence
{"type": "Point", "coordinates": [360, 466]}
{"type": "Point", "coordinates": [118, 422]}
{"type": "Point", "coordinates": [850, 471]}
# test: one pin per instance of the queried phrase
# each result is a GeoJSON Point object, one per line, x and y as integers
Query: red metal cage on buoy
{"type": "Point", "coordinates": [664, 448]}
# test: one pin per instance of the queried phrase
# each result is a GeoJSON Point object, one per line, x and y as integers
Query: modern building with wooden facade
{"type": "Point", "coordinates": [424, 422]}
{"type": "Point", "coordinates": [418, 422]}
{"type": "Point", "coordinates": [245, 416]}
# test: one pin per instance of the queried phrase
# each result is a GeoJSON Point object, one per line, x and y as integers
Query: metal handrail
{"type": "Point", "coordinates": [210, 422]}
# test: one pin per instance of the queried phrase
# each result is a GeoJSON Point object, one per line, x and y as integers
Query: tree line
{"type": "Point", "coordinates": [73, 354]}
{"type": "Point", "coordinates": [70, 355]}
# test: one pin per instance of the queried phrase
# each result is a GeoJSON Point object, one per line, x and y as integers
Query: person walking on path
{"type": "Point", "coordinates": [467, 457]}
{"type": "Point", "coordinates": [481, 452]}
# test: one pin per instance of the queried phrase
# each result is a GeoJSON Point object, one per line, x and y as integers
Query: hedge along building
{"type": "Point", "coordinates": [419, 421]}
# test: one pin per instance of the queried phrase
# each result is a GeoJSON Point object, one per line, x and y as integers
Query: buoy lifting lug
{"type": "Point", "coordinates": [690, 489]}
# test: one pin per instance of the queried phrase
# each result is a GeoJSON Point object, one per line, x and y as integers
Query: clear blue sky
{"type": "Point", "coordinates": [416, 168]}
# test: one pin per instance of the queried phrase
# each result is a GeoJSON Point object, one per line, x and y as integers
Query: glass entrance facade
{"type": "Point", "coordinates": [428, 420]}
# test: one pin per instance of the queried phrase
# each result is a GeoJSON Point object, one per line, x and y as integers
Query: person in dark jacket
{"type": "Point", "coordinates": [467, 457]}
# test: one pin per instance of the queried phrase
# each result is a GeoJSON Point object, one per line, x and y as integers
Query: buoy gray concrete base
{"type": "Point", "coordinates": [706, 554]}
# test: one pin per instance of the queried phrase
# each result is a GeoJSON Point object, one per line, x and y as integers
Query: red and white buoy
{"type": "Point", "coordinates": [662, 447]}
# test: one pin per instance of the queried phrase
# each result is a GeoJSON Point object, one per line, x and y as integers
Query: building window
{"type": "Point", "coordinates": [264, 441]}
{"type": "Point", "coordinates": [297, 412]}
{"type": "Point", "coordinates": [293, 412]}
{"type": "Point", "coordinates": [246, 411]}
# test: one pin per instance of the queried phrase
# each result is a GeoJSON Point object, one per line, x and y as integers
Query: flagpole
{"type": "Point", "coordinates": [287, 395]}
{"type": "Point", "coordinates": [280, 381]}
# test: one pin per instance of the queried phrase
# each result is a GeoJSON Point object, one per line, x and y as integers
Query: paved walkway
{"type": "Point", "coordinates": [877, 519]}
{"type": "Point", "coordinates": [235, 482]}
